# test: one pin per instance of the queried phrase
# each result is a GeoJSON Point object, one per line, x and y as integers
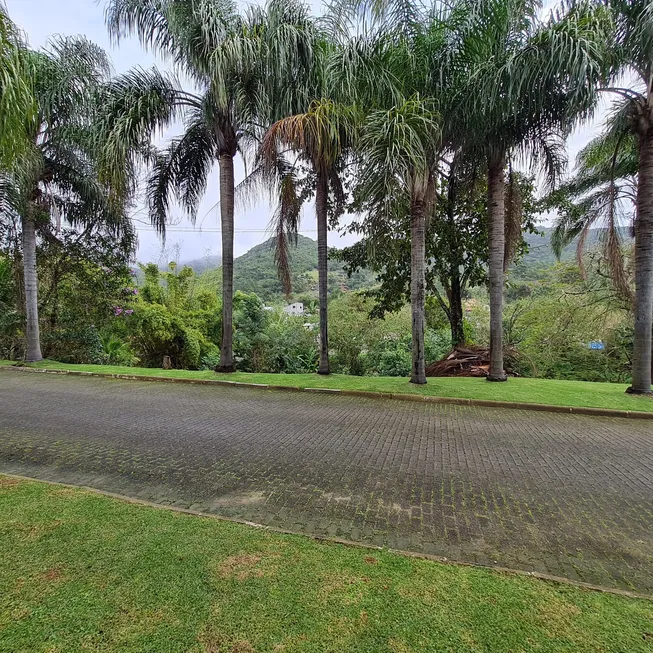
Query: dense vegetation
{"type": "Point", "coordinates": [413, 119]}
{"type": "Point", "coordinates": [97, 312]}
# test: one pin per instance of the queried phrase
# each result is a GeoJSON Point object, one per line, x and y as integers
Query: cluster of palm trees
{"type": "Point", "coordinates": [372, 101]}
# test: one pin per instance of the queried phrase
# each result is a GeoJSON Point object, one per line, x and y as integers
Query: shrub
{"type": "Point", "coordinates": [74, 345]}
{"type": "Point", "coordinates": [117, 352]}
{"type": "Point", "coordinates": [395, 362]}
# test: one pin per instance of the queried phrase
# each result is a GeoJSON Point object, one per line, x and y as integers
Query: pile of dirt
{"type": "Point", "coordinates": [469, 360]}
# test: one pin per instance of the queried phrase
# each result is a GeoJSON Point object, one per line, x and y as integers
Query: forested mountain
{"type": "Point", "coordinates": [256, 271]}
{"type": "Point", "coordinates": [205, 263]}
{"type": "Point", "coordinates": [540, 253]}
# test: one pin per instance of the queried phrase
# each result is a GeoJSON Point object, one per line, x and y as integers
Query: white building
{"type": "Point", "coordinates": [294, 309]}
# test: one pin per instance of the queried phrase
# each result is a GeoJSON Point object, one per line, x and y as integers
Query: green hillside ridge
{"type": "Point", "coordinates": [205, 263]}
{"type": "Point", "coordinates": [540, 252]}
{"type": "Point", "coordinates": [256, 271]}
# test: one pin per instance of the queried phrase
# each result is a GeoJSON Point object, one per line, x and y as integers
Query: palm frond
{"type": "Point", "coordinates": [17, 102]}
{"type": "Point", "coordinates": [400, 146]}
{"type": "Point", "coordinates": [135, 106]}
{"type": "Point", "coordinates": [285, 223]}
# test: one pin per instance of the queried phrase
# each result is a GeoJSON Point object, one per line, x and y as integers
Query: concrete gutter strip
{"type": "Point", "coordinates": [397, 396]}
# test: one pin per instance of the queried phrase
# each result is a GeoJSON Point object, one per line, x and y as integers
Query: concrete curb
{"type": "Point", "coordinates": [454, 401]}
{"type": "Point", "coordinates": [349, 543]}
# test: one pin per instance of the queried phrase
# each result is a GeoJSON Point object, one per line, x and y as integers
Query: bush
{"type": "Point", "coordinates": [211, 358]}
{"type": "Point", "coordinates": [173, 317]}
{"type": "Point", "coordinates": [290, 346]}
{"type": "Point", "coordinates": [552, 334]}
{"type": "Point", "coordinates": [74, 345]}
{"type": "Point", "coordinates": [117, 352]}
{"type": "Point", "coordinates": [395, 362]}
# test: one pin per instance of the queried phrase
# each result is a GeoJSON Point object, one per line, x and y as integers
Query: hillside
{"type": "Point", "coordinates": [255, 271]}
{"type": "Point", "coordinates": [540, 254]}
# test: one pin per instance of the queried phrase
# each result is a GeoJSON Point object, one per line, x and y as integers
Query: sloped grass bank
{"type": "Point", "coordinates": [523, 390]}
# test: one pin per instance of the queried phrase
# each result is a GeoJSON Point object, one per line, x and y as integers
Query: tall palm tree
{"type": "Point", "coordinates": [247, 70]}
{"type": "Point", "coordinates": [399, 153]}
{"type": "Point", "coordinates": [630, 56]}
{"type": "Point", "coordinates": [379, 63]}
{"type": "Point", "coordinates": [322, 137]}
{"type": "Point", "coordinates": [601, 194]}
{"type": "Point", "coordinates": [520, 86]}
{"type": "Point", "coordinates": [61, 179]}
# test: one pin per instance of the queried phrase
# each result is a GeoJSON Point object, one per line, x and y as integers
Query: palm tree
{"type": "Point", "coordinates": [601, 194]}
{"type": "Point", "coordinates": [246, 69]}
{"type": "Point", "coordinates": [519, 87]}
{"type": "Point", "coordinates": [630, 56]}
{"type": "Point", "coordinates": [61, 179]}
{"type": "Point", "coordinates": [399, 152]}
{"type": "Point", "coordinates": [321, 137]}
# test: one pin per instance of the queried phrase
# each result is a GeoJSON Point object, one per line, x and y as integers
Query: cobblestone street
{"type": "Point", "coordinates": [560, 494]}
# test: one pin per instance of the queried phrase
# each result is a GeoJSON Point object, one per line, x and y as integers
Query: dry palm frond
{"type": "Point", "coordinates": [286, 225]}
{"type": "Point", "coordinates": [613, 250]}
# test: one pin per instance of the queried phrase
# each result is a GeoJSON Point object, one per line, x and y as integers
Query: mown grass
{"type": "Point", "coordinates": [84, 572]}
{"type": "Point", "coordinates": [538, 391]}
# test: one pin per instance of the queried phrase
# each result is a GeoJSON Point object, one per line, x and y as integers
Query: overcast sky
{"type": "Point", "coordinates": [41, 19]}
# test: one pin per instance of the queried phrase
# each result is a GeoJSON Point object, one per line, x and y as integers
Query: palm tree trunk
{"type": "Point", "coordinates": [643, 268]}
{"type": "Point", "coordinates": [321, 213]}
{"type": "Point", "coordinates": [496, 211]}
{"type": "Point", "coordinates": [417, 284]}
{"type": "Point", "coordinates": [227, 226]}
{"type": "Point", "coordinates": [33, 338]}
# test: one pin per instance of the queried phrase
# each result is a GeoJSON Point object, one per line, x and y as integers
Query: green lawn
{"type": "Point", "coordinates": [84, 572]}
{"type": "Point", "coordinates": [539, 391]}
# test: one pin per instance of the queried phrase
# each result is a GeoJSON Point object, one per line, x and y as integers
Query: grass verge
{"type": "Point", "coordinates": [84, 572]}
{"type": "Point", "coordinates": [538, 391]}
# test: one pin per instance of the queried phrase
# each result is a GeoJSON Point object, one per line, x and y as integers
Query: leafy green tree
{"type": "Point", "coordinates": [83, 278]}
{"type": "Point", "coordinates": [172, 316]}
{"type": "Point", "coordinates": [456, 243]}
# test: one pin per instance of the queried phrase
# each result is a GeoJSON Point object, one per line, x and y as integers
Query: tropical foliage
{"type": "Point", "coordinates": [433, 126]}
